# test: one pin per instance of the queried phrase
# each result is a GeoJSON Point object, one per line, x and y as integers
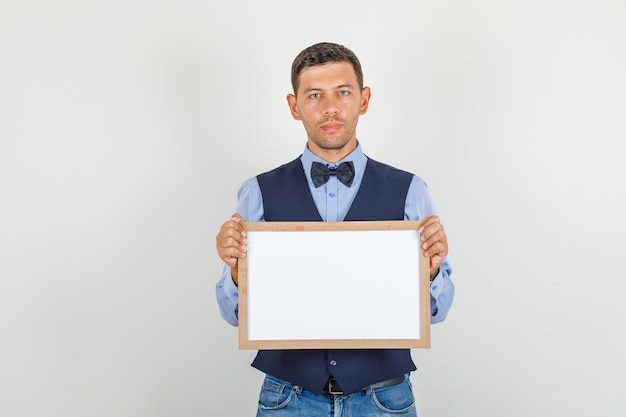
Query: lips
{"type": "Point", "coordinates": [331, 126]}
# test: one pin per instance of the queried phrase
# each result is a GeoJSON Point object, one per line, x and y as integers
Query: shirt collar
{"type": "Point", "coordinates": [357, 157]}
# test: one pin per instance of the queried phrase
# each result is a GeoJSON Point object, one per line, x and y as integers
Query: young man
{"type": "Point", "coordinates": [333, 181]}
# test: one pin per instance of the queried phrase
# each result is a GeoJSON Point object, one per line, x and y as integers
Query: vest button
{"type": "Point", "coordinates": [333, 363]}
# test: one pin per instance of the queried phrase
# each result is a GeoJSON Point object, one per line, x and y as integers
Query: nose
{"type": "Point", "coordinates": [331, 106]}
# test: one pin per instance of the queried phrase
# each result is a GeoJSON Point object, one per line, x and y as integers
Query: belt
{"type": "Point", "coordinates": [333, 388]}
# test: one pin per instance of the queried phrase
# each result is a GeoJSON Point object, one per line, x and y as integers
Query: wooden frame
{"type": "Point", "coordinates": [284, 305]}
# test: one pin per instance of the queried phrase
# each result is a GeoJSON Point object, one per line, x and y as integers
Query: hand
{"type": "Point", "coordinates": [231, 243]}
{"type": "Point", "coordinates": [434, 242]}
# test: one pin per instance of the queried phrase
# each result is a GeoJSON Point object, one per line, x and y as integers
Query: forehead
{"type": "Point", "coordinates": [329, 75]}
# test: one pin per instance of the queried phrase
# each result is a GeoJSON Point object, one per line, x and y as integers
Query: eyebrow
{"type": "Point", "coordinates": [308, 90]}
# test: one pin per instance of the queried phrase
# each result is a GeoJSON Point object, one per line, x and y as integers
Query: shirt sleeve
{"type": "Point", "coordinates": [250, 207]}
{"type": "Point", "coordinates": [419, 205]}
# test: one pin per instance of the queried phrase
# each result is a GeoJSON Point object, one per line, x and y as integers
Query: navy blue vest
{"type": "Point", "coordinates": [286, 197]}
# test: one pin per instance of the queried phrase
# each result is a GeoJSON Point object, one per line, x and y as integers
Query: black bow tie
{"type": "Point", "coordinates": [320, 173]}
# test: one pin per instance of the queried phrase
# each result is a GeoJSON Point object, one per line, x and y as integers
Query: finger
{"type": "Point", "coordinates": [238, 218]}
{"type": "Point", "coordinates": [438, 236]}
{"type": "Point", "coordinates": [232, 262]}
{"type": "Point", "coordinates": [231, 242]}
{"type": "Point", "coordinates": [430, 220]}
{"type": "Point", "coordinates": [432, 236]}
{"type": "Point", "coordinates": [430, 230]}
{"type": "Point", "coordinates": [232, 229]}
{"type": "Point", "coordinates": [434, 241]}
{"type": "Point", "coordinates": [231, 255]}
{"type": "Point", "coordinates": [241, 239]}
{"type": "Point", "coordinates": [437, 248]}
{"type": "Point", "coordinates": [435, 263]}
{"type": "Point", "coordinates": [230, 236]}
{"type": "Point", "coordinates": [230, 246]}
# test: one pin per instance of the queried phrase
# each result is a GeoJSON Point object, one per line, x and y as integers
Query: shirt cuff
{"type": "Point", "coordinates": [230, 289]}
{"type": "Point", "coordinates": [436, 285]}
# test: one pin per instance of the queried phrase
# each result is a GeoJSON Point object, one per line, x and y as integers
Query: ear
{"type": "Point", "coordinates": [293, 106]}
{"type": "Point", "coordinates": [366, 94]}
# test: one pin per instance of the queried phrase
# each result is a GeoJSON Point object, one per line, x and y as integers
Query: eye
{"type": "Point", "coordinates": [344, 92]}
{"type": "Point", "coordinates": [314, 95]}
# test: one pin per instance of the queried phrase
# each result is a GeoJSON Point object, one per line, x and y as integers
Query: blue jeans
{"type": "Point", "coordinates": [280, 398]}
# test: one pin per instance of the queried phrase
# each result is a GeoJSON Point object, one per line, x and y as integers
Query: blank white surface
{"type": "Point", "coordinates": [365, 285]}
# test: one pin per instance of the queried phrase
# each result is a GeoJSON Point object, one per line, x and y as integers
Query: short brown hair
{"type": "Point", "coordinates": [322, 53]}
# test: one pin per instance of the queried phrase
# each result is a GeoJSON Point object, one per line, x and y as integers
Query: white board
{"type": "Point", "coordinates": [334, 285]}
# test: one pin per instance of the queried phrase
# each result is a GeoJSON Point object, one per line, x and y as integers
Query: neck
{"type": "Point", "coordinates": [332, 156]}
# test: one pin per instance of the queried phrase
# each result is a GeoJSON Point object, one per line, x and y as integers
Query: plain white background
{"type": "Point", "coordinates": [126, 128]}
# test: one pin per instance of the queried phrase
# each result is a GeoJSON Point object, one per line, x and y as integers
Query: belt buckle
{"type": "Point", "coordinates": [331, 389]}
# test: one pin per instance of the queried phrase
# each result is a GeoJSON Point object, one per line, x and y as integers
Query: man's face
{"type": "Point", "coordinates": [329, 102]}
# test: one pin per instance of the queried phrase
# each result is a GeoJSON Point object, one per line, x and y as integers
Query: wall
{"type": "Point", "coordinates": [127, 127]}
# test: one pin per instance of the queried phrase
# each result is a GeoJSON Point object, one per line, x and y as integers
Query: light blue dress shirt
{"type": "Point", "coordinates": [333, 200]}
